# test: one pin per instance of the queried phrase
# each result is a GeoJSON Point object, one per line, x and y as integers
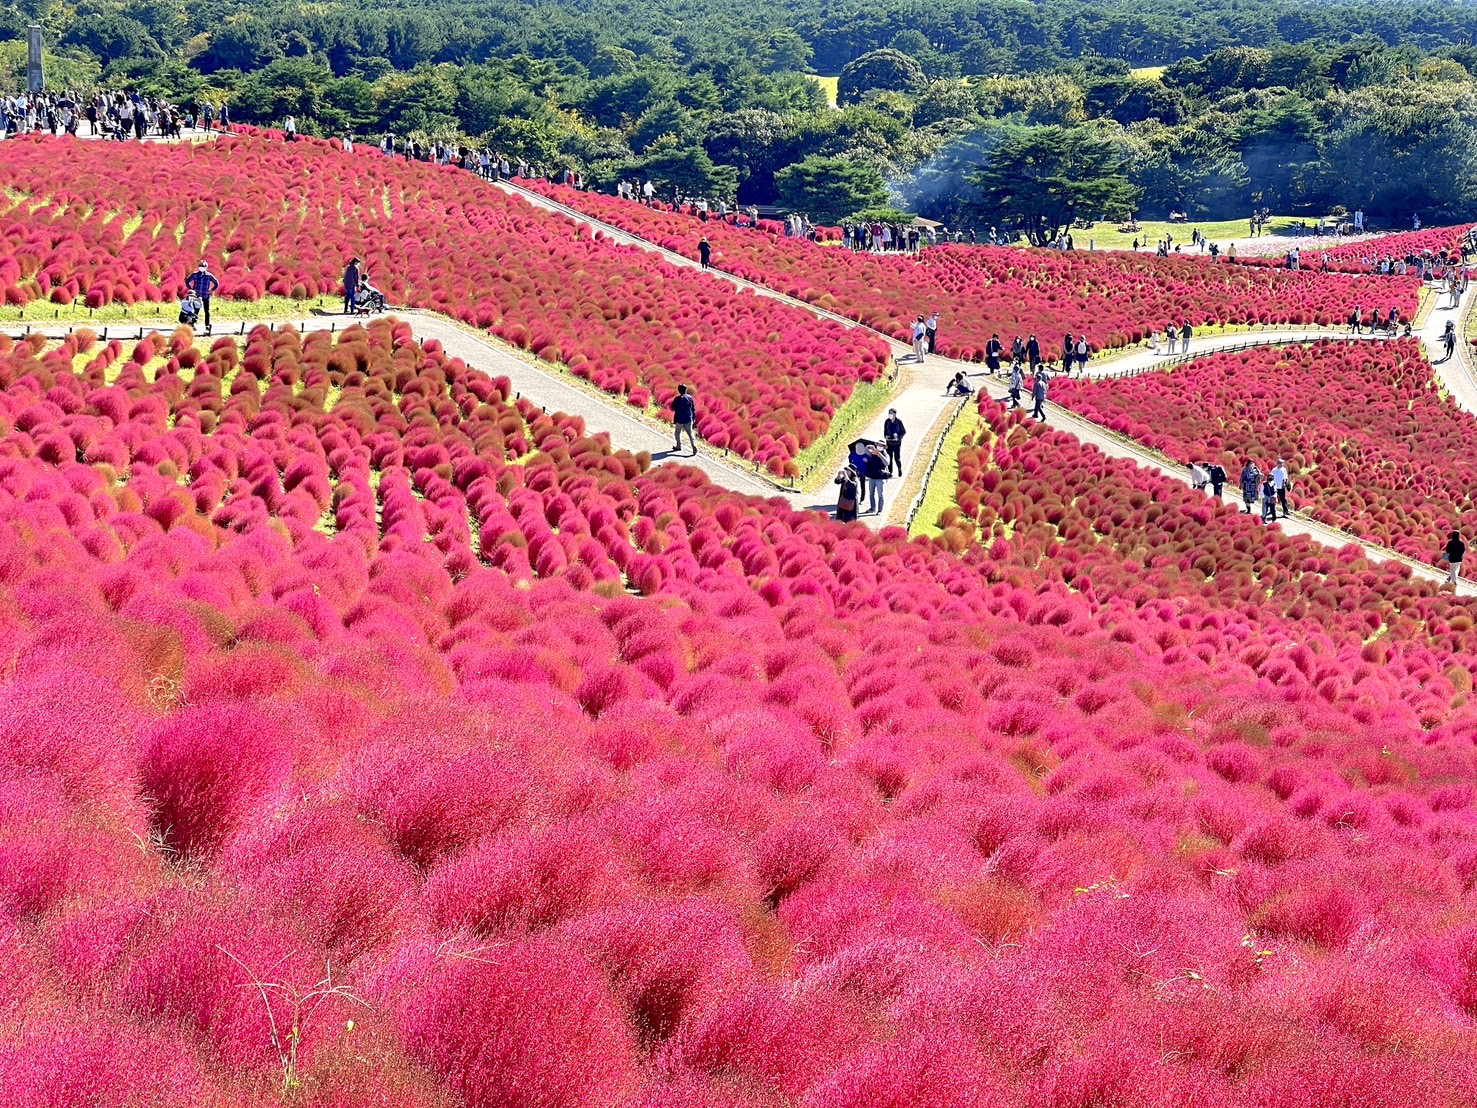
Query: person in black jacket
{"type": "Point", "coordinates": [1455, 551]}
{"type": "Point", "coordinates": [876, 474]}
{"type": "Point", "coordinates": [1033, 353]}
{"type": "Point", "coordinates": [351, 286]}
{"type": "Point", "coordinates": [705, 251]}
{"type": "Point", "coordinates": [1217, 478]}
{"type": "Point", "coordinates": [993, 349]}
{"type": "Point", "coordinates": [846, 498]}
{"type": "Point", "coordinates": [684, 415]}
{"type": "Point", "coordinates": [892, 433]}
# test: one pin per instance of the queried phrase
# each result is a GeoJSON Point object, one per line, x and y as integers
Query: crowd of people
{"type": "Point", "coordinates": [113, 114]}
{"type": "Point", "coordinates": [869, 466]}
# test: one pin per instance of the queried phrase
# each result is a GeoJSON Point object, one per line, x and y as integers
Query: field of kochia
{"type": "Point", "coordinates": [369, 736]}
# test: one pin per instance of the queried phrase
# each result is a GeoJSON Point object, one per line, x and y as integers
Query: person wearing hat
{"type": "Point", "coordinates": [203, 284]}
{"type": "Point", "coordinates": [351, 285]}
{"type": "Point", "coordinates": [892, 433]}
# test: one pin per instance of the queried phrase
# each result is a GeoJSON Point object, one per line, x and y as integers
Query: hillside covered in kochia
{"type": "Point", "coordinates": [1286, 103]}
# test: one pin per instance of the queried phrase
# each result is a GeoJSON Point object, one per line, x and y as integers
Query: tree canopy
{"type": "Point", "coordinates": [1044, 178]}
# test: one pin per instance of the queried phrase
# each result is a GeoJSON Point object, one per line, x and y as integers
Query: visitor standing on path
{"type": "Point", "coordinates": [351, 286]}
{"type": "Point", "coordinates": [1017, 381]}
{"type": "Point", "coordinates": [920, 339]}
{"type": "Point", "coordinates": [1084, 352]}
{"type": "Point", "coordinates": [846, 497]}
{"type": "Point", "coordinates": [1269, 501]}
{"type": "Point", "coordinates": [1251, 484]}
{"type": "Point", "coordinates": [1069, 349]}
{"type": "Point", "coordinates": [1185, 334]}
{"type": "Point", "coordinates": [1217, 474]}
{"type": "Point", "coordinates": [705, 251]}
{"type": "Point", "coordinates": [931, 327]}
{"type": "Point", "coordinates": [1038, 394]}
{"type": "Point", "coordinates": [876, 474]}
{"type": "Point", "coordinates": [1455, 551]}
{"type": "Point", "coordinates": [993, 349]}
{"type": "Point", "coordinates": [1033, 353]}
{"type": "Point", "coordinates": [203, 284]}
{"type": "Point", "coordinates": [1280, 481]}
{"type": "Point", "coordinates": [892, 434]}
{"type": "Point", "coordinates": [684, 416]}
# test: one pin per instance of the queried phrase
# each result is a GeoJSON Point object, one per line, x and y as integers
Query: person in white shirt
{"type": "Point", "coordinates": [920, 339]}
{"type": "Point", "coordinates": [1199, 478]}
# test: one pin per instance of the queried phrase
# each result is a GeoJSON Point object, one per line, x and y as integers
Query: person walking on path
{"type": "Point", "coordinates": [1084, 352]}
{"type": "Point", "coordinates": [1448, 340]}
{"type": "Point", "coordinates": [1217, 475]}
{"type": "Point", "coordinates": [1033, 353]}
{"type": "Point", "coordinates": [931, 328]}
{"type": "Point", "coordinates": [1198, 477]}
{"type": "Point", "coordinates": [846, 496]}
{"type": "Point", "coordinates": [203, 284]}
{"type": "Point", "coordinates": [920, 339]}
{"type": "Point", "coordinates": [351, 286]}
{"type": "Point", "coordinates": [1017, 381]}
{"type": "Point", "coordinates": [1251, 484]}
{"type": "Point", "coordinates": [289, 125]}
{"type": "Point", "coordinates": [1455, 551]}
{"type": "Point", "coordinates": [1280, 482]}
{"type": "Point", "coordinates": [892, 433]}
{"type": "Point", "coordinates": [1356, 320]}
{"type": "Point", "coordinates": [705, 251]}
{"type": "Point", "coordinates": [1269, 501]}
{"type": "Point", "coordinates": [1038, 394]}
{"type": "Point", "coordinates": [684, 416]}
{"type": "Point", "coordinates": [993, 349]}
{"type": "Point", "coordinates": [876, 474]}
{"type": "Point", "coordinates": [1185, 333]}
{"type": "Point", "coordinates": [1069, 351]}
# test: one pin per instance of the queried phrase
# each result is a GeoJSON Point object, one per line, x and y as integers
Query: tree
{"type": "Point", "coordinates": [689, 170]}
{"type": "Point", "coordinates": [1044, 178]}
{"type": "Point", "coordinates": [879, 69]}
{"type": "Point", "coordinates": [827, 190]}
{"type": "Point", "coordinates": [944, 100]}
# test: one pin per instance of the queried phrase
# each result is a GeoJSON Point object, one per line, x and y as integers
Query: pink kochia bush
{"type": "Point", "coordinates": [284, 219]}
{"type": "Point", "coordinates": [1116, 298]}
{"type": "Point", "coordinates": [1374, 446]}
{"type": "Point", "coordinates": [346, 695]}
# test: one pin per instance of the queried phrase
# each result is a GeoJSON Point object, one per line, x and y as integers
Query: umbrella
{"type": "Point", "coordinates": [859, 446]}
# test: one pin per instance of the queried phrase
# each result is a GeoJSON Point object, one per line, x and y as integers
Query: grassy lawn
{"type": "Point", "coordinates": [1147, 73]}
{"type": "Point", "coordinates": [167, 314]}
{"type": "Point", "coordinates": [828, 86]}
{"type": "Point", "coordinates": [1107, 236]}
{"type": "Point", "coordinates": [942, 483]}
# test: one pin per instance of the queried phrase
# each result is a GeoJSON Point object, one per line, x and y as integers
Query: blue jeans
{"type": "Point", "coordinates": [874, 494]}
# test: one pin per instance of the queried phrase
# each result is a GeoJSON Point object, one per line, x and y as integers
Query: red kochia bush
{"type": "Point", "coordinates": [530, 1025]}
{"type": "Point", "coordinates": [206, 770]}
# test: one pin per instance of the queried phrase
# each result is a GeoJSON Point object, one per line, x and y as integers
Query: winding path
{"type": "Point", "coordinates": [925, 407]}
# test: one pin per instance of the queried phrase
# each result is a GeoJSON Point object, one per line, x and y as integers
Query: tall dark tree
{"type": "Point", "coordinates": [827, 190]}
{"type": "Point", "coordinates": [1041, 179]}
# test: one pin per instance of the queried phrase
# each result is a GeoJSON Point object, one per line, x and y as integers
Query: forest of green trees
{"type": "Point", "coordinates": [1210, 109]}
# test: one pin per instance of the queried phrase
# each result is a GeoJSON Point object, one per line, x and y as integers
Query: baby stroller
{"type": "Point", "coordinates": [189, 310]}
{"type": "Point", "coordinates": [368, 300]}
